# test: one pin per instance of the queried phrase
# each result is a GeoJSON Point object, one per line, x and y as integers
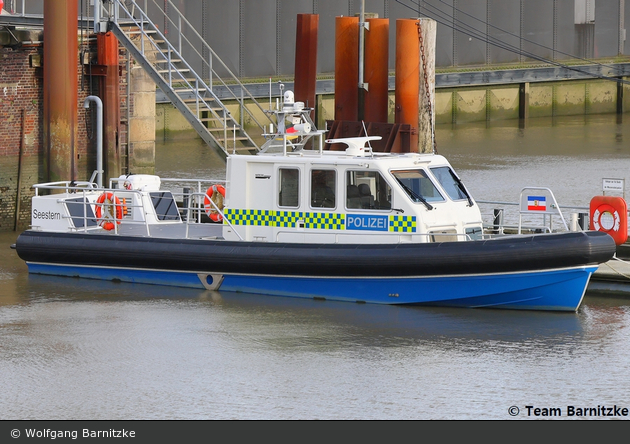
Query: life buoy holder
{"type": "Point", "coordinates": [109, 209]}
{"type": "Point", "coordinates": [216, 194]}
{"type": "Point", "coordinates": [610, 215]}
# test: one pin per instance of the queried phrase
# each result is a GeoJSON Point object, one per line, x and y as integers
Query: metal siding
{"type": "Point", "coordinates": [223, 33]}
{"type": "Point", "coordinates": [192, 12]}
{"type": "Point", "coordinates": [439, 10]}
{"type": "Point", "coordinates": [565, 26]}
{"type": "Point", "coordinates": [372, 6]}
{"type": "Point", "coordinates": [444, 50]}
{"type": "Point", "coordinates": [470, 18]}
{"type": "Point", "coordinates": [328, 10]}
{"type": "Point", "coordinates": [538, 29]}
{"type": "Point", "coordinates": [505, 27]}
{"type": "Point", "coordinates": [259, 30]}
{"type": "Point", "coordinates": [606, 28]}
{"type": "Point", "coordinates": [289, 10]}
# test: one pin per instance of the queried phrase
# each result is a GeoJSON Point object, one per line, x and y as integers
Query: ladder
{"type": "Point", "coordinates": [191, 94]}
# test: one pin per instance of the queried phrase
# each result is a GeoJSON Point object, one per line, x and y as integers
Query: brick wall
{"type": "Point", "coordinates": [21, 96]}
{"type": "Point", "coordinates": [21, 109]}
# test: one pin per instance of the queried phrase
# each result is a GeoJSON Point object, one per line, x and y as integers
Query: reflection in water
{"type": "Point", "coordinates": [81, 349]}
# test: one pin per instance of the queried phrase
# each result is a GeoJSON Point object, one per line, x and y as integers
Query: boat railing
{"type": "Point", "coordinates": [534, 203]}
{"type": "Point", "coordinates": [68, 186]}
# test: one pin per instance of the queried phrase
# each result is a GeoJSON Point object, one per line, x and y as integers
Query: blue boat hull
{"type": "Point", "coordinates": [554, 290]}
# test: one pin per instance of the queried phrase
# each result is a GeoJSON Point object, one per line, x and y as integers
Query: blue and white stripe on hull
{"type": "Point", "coordinates": [557, 289]}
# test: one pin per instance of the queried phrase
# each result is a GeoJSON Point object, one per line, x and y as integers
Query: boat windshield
{"type": "Point", "coordinates": [418, 186]}
{"type": "Point", "coordinates": [451, 183]}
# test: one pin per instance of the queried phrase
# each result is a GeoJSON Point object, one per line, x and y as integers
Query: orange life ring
{"type": "Point", "coordinates": [216, 194]}
{"type": "Point", "coordinates": [610, 215]}
{"type": "Point", "coordinates": [104, 214]}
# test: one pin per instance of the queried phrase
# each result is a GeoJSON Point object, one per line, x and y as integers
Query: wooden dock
{"type": "Point", "coordinates": [614, 275]}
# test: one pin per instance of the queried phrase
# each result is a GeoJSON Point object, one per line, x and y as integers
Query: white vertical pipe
{"type": "Point", "coordinates": [99, 136]}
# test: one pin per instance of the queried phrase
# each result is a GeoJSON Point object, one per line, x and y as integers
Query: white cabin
{"type": "Point", "coordinates": [351, 196]}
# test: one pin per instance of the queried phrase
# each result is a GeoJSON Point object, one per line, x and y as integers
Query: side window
{"type": "Point", "coordinates": [367, 190]}
{"type": "Point", "coordinates": [323, 185]}
{"type": "Point", "coordinates": [289, 184]}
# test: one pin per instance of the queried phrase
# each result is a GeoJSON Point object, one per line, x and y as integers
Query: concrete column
{"type": "Point", "coordinates": [141, 136]}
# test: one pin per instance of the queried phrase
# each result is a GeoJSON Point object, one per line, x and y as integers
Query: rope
{"type": "Point", "coordinates": [615, 270]}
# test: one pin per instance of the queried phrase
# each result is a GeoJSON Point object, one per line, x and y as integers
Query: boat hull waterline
{"type": "Point", "coordinates": [519, 273]}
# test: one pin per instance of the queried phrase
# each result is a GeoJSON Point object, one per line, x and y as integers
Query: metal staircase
{"type": "Point", "coordinates": [191, 94]}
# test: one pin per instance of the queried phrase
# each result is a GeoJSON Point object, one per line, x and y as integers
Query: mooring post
{"type": "Point", "coordinates": [426, 96]}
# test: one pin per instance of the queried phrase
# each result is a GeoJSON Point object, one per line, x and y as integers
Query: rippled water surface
{"type": "Point", "coordinates": [81, 349]}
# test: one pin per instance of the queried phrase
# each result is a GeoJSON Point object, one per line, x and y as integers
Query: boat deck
{"type": "Point", "coordinates": [166, 230]}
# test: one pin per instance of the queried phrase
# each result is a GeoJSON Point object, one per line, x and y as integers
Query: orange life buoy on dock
{"type": "Point", "coordinates": [216, 194]}
{"type": "Point", "coordinates": [610, 215]}
{"type": "Point", "coordinates": [104, 214]}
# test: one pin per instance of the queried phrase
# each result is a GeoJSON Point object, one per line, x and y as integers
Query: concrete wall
{"type": "Point", "coordinates": [461, 105]}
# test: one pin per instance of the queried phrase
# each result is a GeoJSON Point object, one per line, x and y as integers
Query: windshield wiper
{"type": "Point", "coordinates": [415, 195]}
{"type": "Point", "coordinates": [461, 186]}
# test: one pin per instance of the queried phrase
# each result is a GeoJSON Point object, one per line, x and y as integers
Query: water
{"type": "Point", "coordinates": [80, 349]}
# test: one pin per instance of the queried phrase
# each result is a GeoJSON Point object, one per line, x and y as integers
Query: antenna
{"type": "Point", "coordinates": [367, 135]}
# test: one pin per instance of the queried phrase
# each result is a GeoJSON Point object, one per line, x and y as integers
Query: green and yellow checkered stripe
{"type": "Point", "coordinates": [288, 219]}
{"type": "Point", "coordinates": [320, 221]}
{"type": "Point", "coordinates": [264, 218]}
{"type": "Point", "coordinates": [402, 224]}
{"type": "Point", "coordinates": [325, 221]}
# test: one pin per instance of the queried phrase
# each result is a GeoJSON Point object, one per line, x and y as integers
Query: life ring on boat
{"type": "Point", "coordinates": [216, 194]}
{"type": "Point", "coordinates": [609, 214]}
{"type": "Point", "coordinates": [104, 214]}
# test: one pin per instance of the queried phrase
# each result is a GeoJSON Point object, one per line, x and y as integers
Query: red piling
{"type": "Point", "coordinates": [61, 89]}
{"type": "Point", "coordinates": [306, 59]}
{"type": "Point", "coordinates": [407, 77]}
{"type": "Point", "coordinates": [346, 68]}
{"type": "Point", "coordinates": [376, 70]}
{"type": "Point", "coordinates": [107, 47]}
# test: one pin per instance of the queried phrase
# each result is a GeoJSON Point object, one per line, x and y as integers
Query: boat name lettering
{"type": "Point", "coordinates": [45, 215]}
{"type": "Point", "coordinates": [262, 176]}
{"type": "Point", "coordinates": [363, 222]}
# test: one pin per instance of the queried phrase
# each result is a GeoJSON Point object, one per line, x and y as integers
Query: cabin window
{"type": "Point", "coordinates": [367, 190]}
{"type": "Point", "coordinates": [450, 182]}
{"type": "Point", "coordinates": [289, 192]}
{"type": "Point", "coordinates": [418, 185]}
{"type": "Point", "coordinates": [165, 206]}
{"type": "Point", "coordinates": [81, 212]}
{"type": "Point", "coordinates": [323, 185]}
